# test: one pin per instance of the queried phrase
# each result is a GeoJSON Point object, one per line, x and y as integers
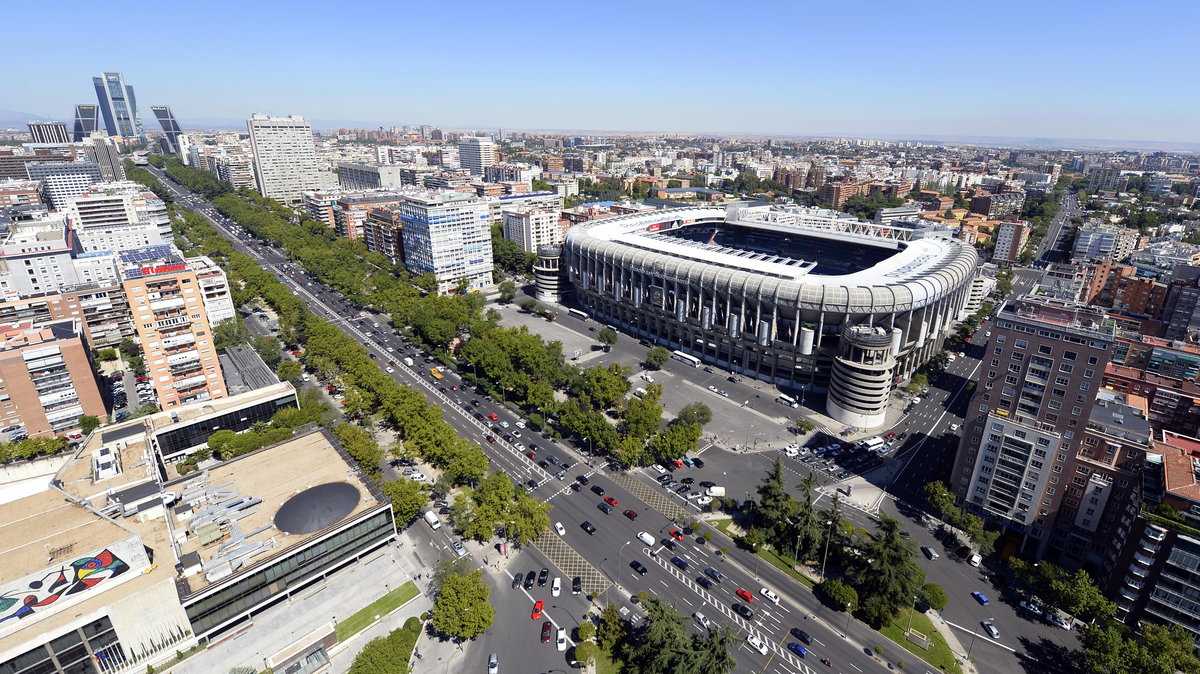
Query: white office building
{"type": "Point", "coordinates": [448, 234]}
{"type": "Point", "coordinates": [285, 157]}
{"type": "Point", "coordinates": [63, 181]}
{"type": "Point", "coordinates": [476, 153]}
{"type": "Point", "coordinates": [117, 216]}
{"type": "Point", "coordinates": [531, 228]}
{"type": "Point", "coordinates": [357, 177]}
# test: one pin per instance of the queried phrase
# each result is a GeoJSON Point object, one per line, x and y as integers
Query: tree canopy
{"type": "Point", "coordinates": [461, 609]}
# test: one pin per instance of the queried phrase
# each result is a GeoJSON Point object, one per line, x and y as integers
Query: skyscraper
{"type": "Point", "coordinates": [170, 127]}
{"type": "Point", "coordinates": [118, 105]}
{"type": "Point", "coordinates": [107, 155]}
{"type": "Point", "coordinates": [448, 234]}
{"type": "Point", "coordinates": [285, 157]}
{"type": "Point", "coordinates": [86, 120]}
{"type": "Point", "coordinates": [476, 153]}
{"type": "Point", "coordinates": [49, 132]}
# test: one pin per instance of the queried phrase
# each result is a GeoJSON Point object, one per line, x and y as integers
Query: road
{"type": "Point", "coordinates": [603, 558]}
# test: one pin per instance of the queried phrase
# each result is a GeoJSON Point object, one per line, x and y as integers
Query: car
{"type": "Point", "coordinates": [706, 484]}
{"type": "Point", "coordinates": [390, 370]}
{"type": "Point", "coordinates": [537, 610]}
{"type": "Point", "coordinates": [757, 644]}
{"type": "Point", "coordinates": [974, 560]}
{"type": "Point", "coordinates": [714, 574]}
{"type": "Point", "coordinates": [802, 635]}
{"type": "Point", "coordinates": [520, 424]}
{"type": "Point", "coordinates": [605, 508]}
{"type": "Point", "coordinates": [991, 629]}
{"type": "Point", "coordinates": [953, 428]}
{"type": "Point", "coordinates": [533, 484]}
{"type": "Point", "coordinates": [532, 455]}
{"type": "Point", "coordinates": [598, 490]}
{"type": "Point", "coordinates": [791, 451]}
{"type": "Point", "coordinates": [682, 489]}
{"type": "Point", "coordinates": [560, 640]}
{"type": "Point", "coordinates": [1031, 607]}
{"type": "Point", "coordinates": [675, 534]}
{"type": "Point", "coordinates": [610, 501]}
{"type": "Point", "coordinates": [458, 548]}
{"type": "Point", "coordinates": [1052, 618]}
{"type": "Point", "coordinates": [704, 582]}
{"type": "Point", "coordinates": [543, 464]}
{"type": "Point", "coordinates": [503, 424]}
{"type": "Point", "coordinates": [516, 434]}
{"type": "Point", "coordinates": [980, 597]}
{"type": "Point", "coordinates": [493, 664]}
{"type": "Point", "coordinates": [491, 439]}
{"type": "Point", "coordinates": [517, 580]}
{"type": "Point", "coordinates": [771, 596]}
{"type": "Point", "coordinates": [890, 436]}
{"type": "Point", "coordinates": [659, 468]}
{"type": "Point", "coordinates": [929, 553]}
{"type": "Point", "coordinates": [680, 562]}
{"type": "Point", "coordinates": [746, 596]}
{"type": "Point", "coordinates": [638, 566]}
{"type": "Point", "coordinates": [552, 459]}
{"type": "Point", "coordinates": [663, 479]}
{"type": "Point", "coordinates": [583, 479]}
{"type": "Point", "coordinates": [631, 514]}
{"type": "Point", "coordinates": [697, 463]}
{"type": "Point", "coordinates": [556, 587]}
{"type": "Point", "coordinates": [695, 496]}
{"type": "Point", "coordinates": [546, 629]}
{"type": "Point", "coordinates": [588, 527]}
{"type": "Point", "coordinates": [493, 416]}
{"type": "Point", "coordinates": [543, 577]}
{"type": "Point", "coordinates": [575, 486]}
{"type": "Point", "coordinates": [688, 480]}
{"type": "Point", "coordinates": [797, 649]}
{"type": "Point", "coordinates": [671, 485]}
{"type": "Point", "coordinates": [743, 610]}
{"type": "Point", "coordinates": [559, 529]}
{"type": "Point", "coordinates": [668, 544]}
{"type": "Point", "coordinates": [712, 388]}
{"type": "Point", "coordinates": [576, 585]}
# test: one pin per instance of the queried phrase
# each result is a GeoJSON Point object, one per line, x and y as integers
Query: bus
{"type": "Point", "coordinates": [685, 358]}
{"type": "Point", "coordinates": [581, 315]}
{"type": "Point", "coordinates": [786, 400]}
{"type": "Point", "coordinates": [437, 374]}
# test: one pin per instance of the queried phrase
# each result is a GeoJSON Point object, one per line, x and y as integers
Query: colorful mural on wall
{"type": "Point", "coordinates": [79, 576]}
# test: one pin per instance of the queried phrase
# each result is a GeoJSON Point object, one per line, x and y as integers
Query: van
{"type": "Point", "coordinates": [701, 619]}
{"type": "Point", "coordinates": [432, 520]}
{"type": "Point", "coordinates": [639, 393]}
{"type": "Point", "coordinates": [975, 560]}
{"type": "Point", "coordinates": [408, 362]}
{"type": "Point", "coordinates": [645, 538]}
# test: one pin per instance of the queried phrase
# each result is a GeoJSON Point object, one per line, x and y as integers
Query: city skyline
{"type": "Point", "coordinates": [1032, 71]}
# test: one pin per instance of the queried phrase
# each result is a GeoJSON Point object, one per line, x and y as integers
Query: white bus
{"type": "Point", "coordinates": [685, 358]}
{"type": "Point", "coordinates": [873, 443]}
{"type": "Point", "coordinates": [580, 314]}
{"type": "Point", "coordinates": [786, 400]}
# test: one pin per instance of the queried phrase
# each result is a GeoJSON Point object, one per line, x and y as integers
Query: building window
{"type": "Point", "coordinates": [998, 351]}
{"type": "Point", "coordinates": [1045, 349]}
{"type": "Point", "coordinates": [1058, 392]}
{"type": "Point", "coordinates": [1070, 355]}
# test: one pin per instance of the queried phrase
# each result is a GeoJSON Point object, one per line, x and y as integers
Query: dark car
{"type": "Point", "coordinates": [704, 582]}
{"type": "Point", "coordinates": [576, 486]}
{"type": "Point", "coordinates": [797, 649]}
{"type": "Point", "coordinates": [546, 632]}
{"type": "Point", "coordinates": [743, 610]}
{"type": "Point", "coordinates": [706, 484]}
{"type": "Point", "coordinates": [802, 635]}
{"type": "Point", "coordinates": [699, 463]}
{"type": "Point", "coordinates": [607, 509]}
{"type": "Point", "coordinates": [638, 566]}
{"type": "Point", "coordinates": [517, 580]}
{"type": "Point", "coordinates": [543, 464]}
{"type": "Point", "coordinates": [714, 574]}
{"type": "Point", "coordinates": [680, 562]}
{"type": "Point", "coordinates": [576, 585]}
{"type": "Point", "coordinates": [598, 490]}
{"type": "Point", "coordinates": [532, 484]}
{"type": "Point", "coordinates": [530, 578]}
{"type": "Point", "coordinates": [582, 479]}
{"type": "Point", "coordinates": [688, 480]}
{"type": "Point", "coordinates": [683, 489]}
{"type": "Point", "coordinates": [587, 526]}
{"type": "Point", "coordinates": [631, 514]}
{"type": "Point", "coordinates": [542, 577]}
{"type": "Point", "coordinates": [668, 544]}
{"type": "Point", "coordinates": [552, 459]}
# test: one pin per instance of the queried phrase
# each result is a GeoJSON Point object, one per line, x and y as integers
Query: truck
{"type": "Point", "coordinates": [715, 492]}
{"type": "Point", "coordinates": [408, 362]}
{"type": "Point", "coordinates": [432, 520]}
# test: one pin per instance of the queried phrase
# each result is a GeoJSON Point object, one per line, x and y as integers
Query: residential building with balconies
{"type": "Point", "coordinates": [46, 379]}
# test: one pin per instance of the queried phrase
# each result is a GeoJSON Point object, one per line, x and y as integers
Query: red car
{"type": "Point", "coordinates": [610, 501]}
{"type": "Point", "coordinates": [631, 514]}
{"type": "Point", "coordinates": [491, 438]}
{"type": "Point", "coordinates": [746, 596]}
{"type": "Point", "coordinates": [539, 604]}
{"type": "Point", "coordinates": [890, 436]}
{"type": "Point", "coordinates": [531, 455]}
{"type": "Point", "coordinates": [493, 416]}
{"type": "Point", "coordinates": [453, 388]}
{"type": "Point", "coordinates": [546, 632]}
{"type": "Point", "coordinates": [675, 534]}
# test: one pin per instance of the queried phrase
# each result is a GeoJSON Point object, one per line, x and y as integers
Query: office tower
{"type": "Point", "coordinates": [1021, 443]}
{"type": "Point", "coordinates": [105, 153]}
{"type": "Point", "coordinates": [171, 131]}
{"type": "Point", "coordinates": [49, 132]}
{"type": "Point", "coordinates": [118, 105]}
{"type": "Point", "coordinates": [172, 325]}
{"type": "Point", "coordinates": [86, 121]}
{"type": "Point", "coordinates": [285, 156]}
{"type": "Point", "coordinates": [532, 228]}
{"type": "Point", "coordinates": [448, 234]}
{"type": "Point", "coordinates": [46, 378]}
{"type": "Point", "coordinates": [476, 153]}
{"type": "Point", "coordinates": [63, 181]}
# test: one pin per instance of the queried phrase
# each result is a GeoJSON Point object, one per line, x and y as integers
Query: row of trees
{"type": "Point", "coordinates": [28, 448]}
{"type": "Point", "coordinates": [662, 643]}
{"type": "Point", "coordinates": [497, 506]}
{"type": "Point", "coordinates": [943, 502]}
{"type": "Point", "coordinates": [390, 654]}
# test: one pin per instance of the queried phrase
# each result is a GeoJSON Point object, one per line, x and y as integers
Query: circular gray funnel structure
{"type": "Point", "coordinates": [316, 508]}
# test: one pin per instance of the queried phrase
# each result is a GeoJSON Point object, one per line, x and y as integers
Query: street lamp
{"type": "Point", "coordinates": [825, 555]}
{"type": "Point", "coordinates": [973, 635]}
{"type": "Point", "coordinates": [910, 615]}
{"type": "Point", "coordinates": [619, 558]}
{"type": "Point", "coordinates": [846, 628]}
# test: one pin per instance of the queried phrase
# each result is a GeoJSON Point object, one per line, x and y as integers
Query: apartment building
{"type": "Point", "coordinates": [1103, 178]}
{"type": "Point", "coordinates": [839, 193]}
{"type": "Point", "coordinates": [171, 319]}
{"type": "Point", "coordinates": [476, 153]}
{"type": "Point", "coordinates": [383, 234]}
{"type": "Point", "coordinates": [63, 181]}
{"type": "Point", "coordinates": [1037, 388]}
{"type": "Point", "coordinates": [118, 216]}
{"type": "Point", "coordinates": [107, 155]}
{"type": "Point", "coordinates": [20, 193]}
{"type": "Point", "coordinates": [320, 204]}
{"type": "Point", "coordinates": [1100, 241]}
{"type": "Point", "coordinates": [1011, 238]}
{"type": "Point", "coordinates": [533, 227]}
{"type": "Point", "coordinates": [998, 206]}
{"type": "Point", "coordinates": [285, 157]}
{"type": "Point", "coordinates": [350, 211]}
{"type": "Point", "coordinates": [46, 379]}
{"type": "Point", "coordinates": [448, 234]}
{"type": "Point", "coordinates": [509, 173]}
{"type": "Point", "coordinates": [36, 257]}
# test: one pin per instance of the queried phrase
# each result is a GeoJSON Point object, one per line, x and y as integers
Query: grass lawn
{"type": "Point", "coordinates": [605, 664]}
{"type": "Point", "coordinates": [938, 655]}
{"type": "Point", "coordinates": [785, 566]}
{"type": "Point", "coordinates": [722, 524]}
{"type": "Point", "coordinates": [380, 607]}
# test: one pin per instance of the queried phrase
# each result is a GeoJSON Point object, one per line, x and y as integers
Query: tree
{"type": "Point", "coordinates": [529, 305]}
{"type": "Point", "coordinates": [612, 628]}
{"type": "Point", "coordinates": [711, 651]}
{"type": "Point", "coordinates": [106, 355]}
{"type": "Point", "coordinates": [289, 370]}
{"type": "Point", "coordinates": [229, 332]}
{"type": "Point", "coordinates": [407, 497]}
{"type": "Point", "coordinates": [267, 348]}
{"type": "Point", "coordinates": [461, 609]}
{"type": "Point", "coordinates": [607, 337]}
{"type": "Point", "coordinates": [390, 654]}
{"type": "Point", "coordinates": [885, 575]}
{"type": "Point", "coordinates": [657, 356]}
{"type": "Point", "coordinates": [838, 593]}
{"type": "Point", "coordinates": [444, 568]}
{"type": "Point", "coordinates": [1172, 645]}
{"type": "Point", "coordinates": [88, 423]}
{"type": "Point", "coordinates": [1107, 649]}
{"type": "Point", "coordinates": [137, 365]}
{"type": "Point", "coordinates": [129, 347]}
{"type": "Point", "coordinates": [940, 498]}
{"type": "Point", "coordinates": [660, 644]}
{"type": "Point", "coordinates": [508, 290]}
{"type": "Point", "coordinates": [934, 596]}
{"type": "Point", "coordinates": [585, 653]}
{"type": "Point", "coordinates": [586, 631]}
{"type": "Point", "coordinates": [695, 413]}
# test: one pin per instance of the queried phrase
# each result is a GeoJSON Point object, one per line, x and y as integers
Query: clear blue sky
{"type": "Point", "coordinates": [1051, 68]}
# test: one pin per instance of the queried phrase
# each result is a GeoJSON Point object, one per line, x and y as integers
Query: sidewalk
{"type": "Point", "coordinates": [951, 640]}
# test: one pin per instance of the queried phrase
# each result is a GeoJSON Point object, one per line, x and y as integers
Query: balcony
{"type": "Point", "coordinates": [1142, 559]}
{"type": "Point", "coordinates": [1128, 594]}
{"type": "Point", "coordinates": [167, 305]}
{"type": "Point", "coordinates": [1138, 571]}
{"type": "Point", "coordinates": [191, 382]}
{"type": "Point", "coordinates": [1155, 534]}
{"type": "Point", "coordinates": [1134, 583]}
{"type": "Point", "coordinates": [173, 322]}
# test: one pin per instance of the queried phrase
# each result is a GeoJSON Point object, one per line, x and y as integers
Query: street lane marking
{"type": "Point", "coordinates": [985, 637]}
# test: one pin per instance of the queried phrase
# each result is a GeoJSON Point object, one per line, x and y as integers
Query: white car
{"type": "Point", "coordinates": [756, 644]}
{"type": "Point", "coordinates": [771, 596]}
{"type": "Point", "coordinates": [704, 500]}
{"type": "Point", "coordinates": [645, 538]}
{"type": "Point", "coordinates": [659, 468]}
{"type": "Point", "coordinates": [991, 630]}
{"type": "Point", "coordinates": [558, 527]}
{"type": "Point", "coordinates": [561, 640]}
{"type": "Point", "coordinates": [418, 476]}
{"type": "Point", "coordinates": [391, 370]}
{"type": "Point", "coordinates": [556, 589]}
{"type": "Point", "coordinates": [791, 450]}
{"type": "Point", "coordinates": [520, 424]}
{"type": "Point", "coordinates": [503, 424]}
{"type": "Point", "coordinates": [954, 428]}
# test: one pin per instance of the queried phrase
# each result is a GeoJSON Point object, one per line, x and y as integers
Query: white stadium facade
{"type": "Point", "coordinates": [812, 300]}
